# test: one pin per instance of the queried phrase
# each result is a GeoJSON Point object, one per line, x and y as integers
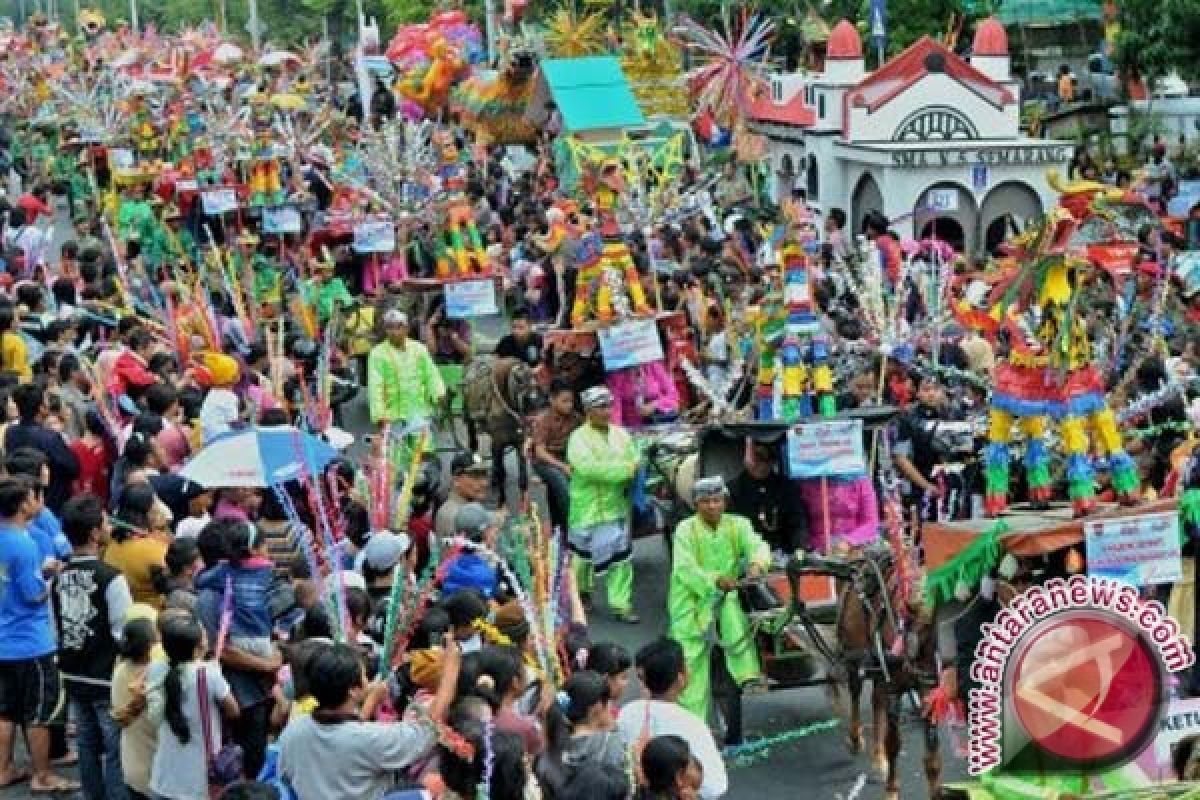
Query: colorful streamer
{"type": "Point", "coordinates": [758, 750]}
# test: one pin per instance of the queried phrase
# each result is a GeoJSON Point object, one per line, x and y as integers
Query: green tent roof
{"type": "Point", "coordinates": [591, 93]}
{"type": "Point", "coordinates": [1039, 12]}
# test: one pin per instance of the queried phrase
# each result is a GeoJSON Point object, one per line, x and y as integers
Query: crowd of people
{"type": "Point", "coordinates": [177, 640]}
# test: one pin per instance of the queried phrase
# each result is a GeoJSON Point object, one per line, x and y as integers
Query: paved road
{"type": "Point", "coordinates": [818, 762]}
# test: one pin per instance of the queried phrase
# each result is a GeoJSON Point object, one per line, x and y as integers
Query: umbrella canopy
{"type": "Point", "coordinates": [228, 53]}
{"type": "Point", "coordinates": [288, 102]}
{"type": "Point", "coordinates": [276, 58]}
{"type": "Point", "coordinates": [126, 59]}
{"type": "Point", "coordinates": [258, 457]}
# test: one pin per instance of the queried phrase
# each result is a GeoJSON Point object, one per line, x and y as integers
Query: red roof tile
{"type": "Point", "coordinates": [791, 112]}
{"type": "Point", "coordinates": [911, 66]}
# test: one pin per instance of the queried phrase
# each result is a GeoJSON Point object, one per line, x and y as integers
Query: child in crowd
{"type": "Point", "coordinates": [249, 574]}
{"type": "Point", "coordinates": [139, 737]}
{"type": "Point", "coordinates": [176, 701]}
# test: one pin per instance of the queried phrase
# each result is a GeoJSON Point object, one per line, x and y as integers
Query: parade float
{"type": "Point", "coordinates": [1049, 377]}
{"type": "Point", "coordinates": [431, 58]}
{"type": "Point", "coordinates": [654, 66]}
{"type": "Point", "coordinates": [493, 103]}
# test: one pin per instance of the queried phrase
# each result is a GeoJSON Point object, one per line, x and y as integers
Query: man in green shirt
{"type": "Point", "coordinates": [403, 385]}
{"type": "Point", "coordinates": [712, 551]}
{"type": "Point", "coordinates": [604, 459]}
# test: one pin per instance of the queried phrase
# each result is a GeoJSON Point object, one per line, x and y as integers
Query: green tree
{"type": "Point", "coordinates": [1158, 36]}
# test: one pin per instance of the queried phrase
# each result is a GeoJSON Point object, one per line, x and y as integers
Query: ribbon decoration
{"type": "Point", "coordinates": [1148, 402]}
{"type": "Point", "coordinates": [1151, 431]}
{"type": "Point", "coordinates": [544, 652]}
{"type": "Point", "coordinates": [757, 750]}
{"type": "Point", "coordinates": [969, 567]}
{"type": "Point", "coordinates": [416, 602]}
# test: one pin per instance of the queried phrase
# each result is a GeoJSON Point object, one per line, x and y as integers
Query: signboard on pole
{"type": "Point", "coordinates": [120, 158]}
{"type": "Point", "coordinates": [281, 220]}
{"type": "Point", "coordinates": [628, 344]}
{"type": "Point", "coordinates": [467, 299]}
{"type": "Point", "coordinates": [375, 237]}
{"type": "Point", "coordinates": [826, 450]}
{"type": "Point", "coordinates": [879, 26]}
{"type": "Point", "coordinates": [1141, 551]}
{"type": "Point", "coordinates": [218, 201]}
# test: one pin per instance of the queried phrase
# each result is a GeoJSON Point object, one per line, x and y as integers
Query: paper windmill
{"type": "Point", "coordinates": [732, 76]}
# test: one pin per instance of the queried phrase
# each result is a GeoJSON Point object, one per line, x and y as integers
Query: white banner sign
{"type": "Point", "coordinates": [219, 201]}
{"type": "Point", "coordinates": [374, 237]}
{"type": "Point", "coordinates": [283, 219]}
{"type": "Point", "coordinates": [628, 344]}
{"type": "Point", "coordinates": [467, 299]}
{"type": "Point", "coordinates": [826, 449]}
{"type": "Point", "coordinates": [1142, 550]}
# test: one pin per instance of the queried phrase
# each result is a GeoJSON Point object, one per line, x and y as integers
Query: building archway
{"type": "Point", "coordinates": [1006, 210]}
{"type": "Point", "coordinates": [865, 198]}
{"type": "Point", "coordinates": [946, 229]}
{"type": "Point", "coordinates": [948, 211]}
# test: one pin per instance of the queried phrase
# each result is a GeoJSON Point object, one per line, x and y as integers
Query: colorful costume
{"type": "Point", "coordinates": [326, 296]}
{"type": "Point", "coordinates": [608, 286]}
{"type": "Point", "coordinates": [794, 376]}
{"type": "Point", "coordinates": [603, 464]}
{"type": "Point", "coordinates": [701, 556]}
{"type": "Point", "coordinates": [402, 385]}
{"type": "Point", "coordinates": [266, 185]}
{"type": "Point", "coordinates": [1048, 375]}
{"type": "Point", "coordinates": [460, 253]}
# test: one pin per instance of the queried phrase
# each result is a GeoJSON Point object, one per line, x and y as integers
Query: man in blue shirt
{"type": "Point", "coordinates": [45, 528]}
{"type": "Point", "coordinates": [30, 691]}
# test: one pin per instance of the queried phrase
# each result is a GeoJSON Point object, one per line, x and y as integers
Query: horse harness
{"type": "Point", "coordinates": [872, 578]}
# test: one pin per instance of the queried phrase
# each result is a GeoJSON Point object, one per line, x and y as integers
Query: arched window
{"type": "Point", "coordinates": [936, 123]}
{"type": "Point", "coordinates": [814, 184]}
{"type": "Point", "coordinates": [821, 105]}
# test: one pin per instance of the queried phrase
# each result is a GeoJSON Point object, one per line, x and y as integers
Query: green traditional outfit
{"type": "Point", "coordinates": [402, 385]}
{"type": "Point", "coordinates": [133, 219]}
{"type": "Point", "coordinates": [702, 556]}
{"type": "Point", "coordinates": [603, 464]}
{"type": "Point", "coordinates": [327, 296]}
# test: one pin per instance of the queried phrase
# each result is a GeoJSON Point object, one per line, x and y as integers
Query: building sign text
{"type": "Point", "coordinates": [995, 157]}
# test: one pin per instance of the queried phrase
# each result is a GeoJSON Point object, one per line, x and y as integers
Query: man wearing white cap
{"type": "Point", "coordinates": [403, 385]}
{"type": "Point", "coordinates": [603, 459]}
{"type": "Point", "coordinates": [711, 552]}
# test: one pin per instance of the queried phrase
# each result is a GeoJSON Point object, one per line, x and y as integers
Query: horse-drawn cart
{"type": "Point", "coordinates": [792, 611]}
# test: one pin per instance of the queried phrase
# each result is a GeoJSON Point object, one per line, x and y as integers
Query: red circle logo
{"type": "Point", "coordinates": [1086, 688]}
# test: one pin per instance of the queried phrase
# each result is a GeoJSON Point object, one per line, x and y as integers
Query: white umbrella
{"type": "Point", "coordinates": [276, 58]}
{"type": "Point", "coordinates": [126, 59]}
{"type": "Point", "coordinates": [228, 53]}
{"type": "Point", "coordinates": [258, 457]}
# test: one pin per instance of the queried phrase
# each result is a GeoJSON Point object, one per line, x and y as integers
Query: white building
{"type": "Point", "coordinates": [929, 139]}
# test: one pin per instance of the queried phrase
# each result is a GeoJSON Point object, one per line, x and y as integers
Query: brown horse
{"type": "Point", "coordinates": [898, 657]}
{"type": "Point", "coordinates": [499, 394]}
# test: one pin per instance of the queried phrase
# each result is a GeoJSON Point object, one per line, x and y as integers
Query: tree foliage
{"type": "Point", "coordinates": [1158, 36]}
